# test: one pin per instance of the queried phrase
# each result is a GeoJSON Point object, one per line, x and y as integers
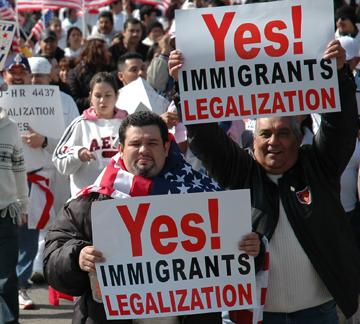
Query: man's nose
{"type": "Point", "coordinates": [273, 139]}
{"type": "Point", "coordinates": [143, 148]}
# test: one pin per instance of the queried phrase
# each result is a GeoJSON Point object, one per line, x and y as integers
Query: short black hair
{"type": "Point", "coordinates": [154, 24]}
{"type": "Point", "coordinates": [127, 56]}
{"type": "Point", "coordinates": [106, 14]}
{"type": "Point", "coordinates": [146, 10]}
{"type": "Point", "coordinates": [132, 21]}
{"type": "Point", "coordinates": [140, 119]}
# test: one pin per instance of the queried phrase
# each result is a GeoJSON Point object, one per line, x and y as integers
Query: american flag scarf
{"type": "Point", "coordinates": [176, 177]}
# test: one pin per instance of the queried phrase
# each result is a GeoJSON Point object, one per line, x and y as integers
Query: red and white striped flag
{"type": "Point", "coordinates": [90, 4]}
{"type": "Point", "coordinates": [6, 11]}
{"type": "Point", "coordinates": [27, 5]}
{"type": "Point", "coordinates": [161, 4]}
{"type": "Point", "coordinates": [38, 28]}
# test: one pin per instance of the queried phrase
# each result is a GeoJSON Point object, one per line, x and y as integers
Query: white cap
{"type": "Point", "coordinates": [39, 65]}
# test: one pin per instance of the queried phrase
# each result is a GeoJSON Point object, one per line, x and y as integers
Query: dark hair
{"type": "Point", "coordinates": [127, 56]}
{"type": "Point", "coordinates": [92, 55]}
{"type": "Point", "coordinates": [106, 14]}
{"type": "Point", "coordinates": [103, 77]}
{"type": "Point", "coordinates": [140, 119]}
{"type": "Point", "coordinates": [152, 25]}
{"type": "Point", "coordinates": [71, 29]}
{"type": "Point", "coordinates": [146, 10]}
{"type": "Point", "coordinates": [131, 21]}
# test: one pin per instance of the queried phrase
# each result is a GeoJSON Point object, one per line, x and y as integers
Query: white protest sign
{"type": "Point", "coordinates": [256, 60]}
{"type": "Point", "coordinates": [174, 254]}
{"type": "Point", "coordinates": [139, 95]}
{"type": "Point", "coordinates": [7, 30]}
{"type": "Point", "coordinates": [38, 107]}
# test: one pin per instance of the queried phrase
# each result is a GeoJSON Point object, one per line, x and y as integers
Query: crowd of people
{"type": "Point", "coordinates": [314, 244]}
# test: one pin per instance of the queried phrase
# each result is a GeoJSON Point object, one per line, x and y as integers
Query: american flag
{"type": "Point", "coordinates": [161, 4]}
{"type": "Point", "coordinates": [6, 11]}
{"type": "Point", "coordinates": [41, 24]}
{"type": "Point", "coordinates": [29, 5]}
{"type": "Point", "coordinates": [90, 4]}
{"type": "Point", "coordinates": [177, 177]}
{"type": "Point", "coordinates": [38, 28]}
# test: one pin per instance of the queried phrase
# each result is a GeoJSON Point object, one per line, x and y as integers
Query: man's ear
{"type": "Point", "coordinates": [120, 76]}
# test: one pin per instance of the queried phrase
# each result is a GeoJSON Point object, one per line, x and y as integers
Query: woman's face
{"type": "Point", "coordinates": [75, 39]}
{"type": "Point", "coordinates": [103, 99]}
{"type": "Point", "coordinates": [56, 27]}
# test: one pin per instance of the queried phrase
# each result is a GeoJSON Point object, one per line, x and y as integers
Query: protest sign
{"type": "Point", "coordinates": [174, 254]}
{"type": "Point", "coordinates": [256, 60]}
{"type": "Point", "coordinates": [139, 95]}
{"type": "Point", "coordinates": [38, 107]}
{"type": "Point", "coordinates": [7, 30]}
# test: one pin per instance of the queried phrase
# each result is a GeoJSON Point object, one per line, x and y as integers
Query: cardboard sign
{"type": "Point", "coordinates": [256, 60]}
{"type": "Point", "coordinates": [139, 95]}
{"type": "Point", "coordinates": [174, 254]}
{"type": "Point", "coordinates": [7, 30]}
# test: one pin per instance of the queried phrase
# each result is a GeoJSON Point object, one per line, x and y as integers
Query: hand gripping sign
{"type": "Point", "coordinates": [174, 254]}
{"type": "Point", "coordinates": [256, 60]}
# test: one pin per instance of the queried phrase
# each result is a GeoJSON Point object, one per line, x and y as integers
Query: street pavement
{"type": "Point", "coordinates": [44, 312]}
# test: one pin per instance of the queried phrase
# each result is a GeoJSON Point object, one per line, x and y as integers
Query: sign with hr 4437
{"type": "Point", "coordinates": [174, 254]}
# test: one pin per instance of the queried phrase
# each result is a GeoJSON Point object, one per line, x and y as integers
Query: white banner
{"type": "Point", "coordinates": [256, 60]}
{"type": "Point", "coordinates": [174, 254]}
{"type": "Point", "coordinates": [37, 106]}
{"type": "Point", "coordinates": [7, 30]}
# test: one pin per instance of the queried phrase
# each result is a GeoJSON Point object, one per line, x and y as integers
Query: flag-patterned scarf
{"type": "Point", "coordinates": [176, 177]}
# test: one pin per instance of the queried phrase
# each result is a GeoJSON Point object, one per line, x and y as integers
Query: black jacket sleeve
{"type": "Point", "coordinates": [70, 233]}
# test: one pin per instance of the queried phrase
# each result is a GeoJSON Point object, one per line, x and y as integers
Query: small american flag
{"type": "Point", "coordinates": [6, 11]}
{"type": "Point", "coordinates": [38, 28]}
{"type": "Point", "coordinates": [7, 30]}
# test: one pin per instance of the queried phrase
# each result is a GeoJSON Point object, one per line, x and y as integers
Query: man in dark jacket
{"type": "Point", "coordinates": [314, 262]}
{"type": "Point", "coordinates": [146, 153]}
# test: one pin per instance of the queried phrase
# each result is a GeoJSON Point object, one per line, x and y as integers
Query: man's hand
{"type": "Point", "coordinates": [88, 257]}
{"type": "Point", "coordinates": [334, 50]}
{"type": "Point", "coordinates": [175, 63]}
{"type": "Point", "coordinates": [33, 139]}
{"type": "Point", "coordinates": [85, 155]}
{"type": "Point", "coordinates": [250, 244]}
{"type": "Point", "coordinates": [170, 118]}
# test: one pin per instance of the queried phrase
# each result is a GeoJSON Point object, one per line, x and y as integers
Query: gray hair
{"type": "Point", "coordinates": [294, 126]}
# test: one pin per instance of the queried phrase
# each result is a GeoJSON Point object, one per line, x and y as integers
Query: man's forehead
{"type": "Point", "coordinates": [147, 131]}
{"type": "Point", "coordinates": [134, 62]}
{"type": "Point", "coordinates": [277, 122]}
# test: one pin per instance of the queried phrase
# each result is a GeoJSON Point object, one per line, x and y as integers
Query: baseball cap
{"type": "Point", "coordinates": [16, 60]}
{"type": "Point", "coordinates": [48, 35]}
{"type": "Point", "coordinates": [39, 65]}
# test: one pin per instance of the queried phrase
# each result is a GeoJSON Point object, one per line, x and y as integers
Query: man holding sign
{"type": "Point", "coordinates": [147, 165]}
{"type": "Point", "coordinates": [314, 261]}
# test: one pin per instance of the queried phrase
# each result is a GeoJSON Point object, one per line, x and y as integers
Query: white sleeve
{"type": "Point", "coordinates": [20, 173]}
{"type": "Point", "coordinates": [66, 154]}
